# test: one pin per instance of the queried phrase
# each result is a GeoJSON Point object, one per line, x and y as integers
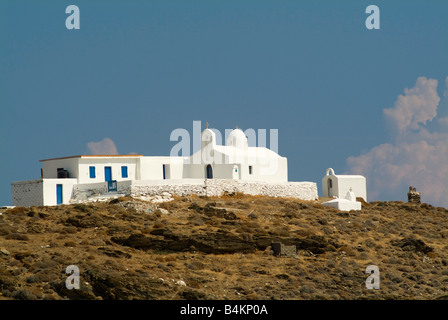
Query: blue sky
{"type": "Point", "coordinates": [136, 70]}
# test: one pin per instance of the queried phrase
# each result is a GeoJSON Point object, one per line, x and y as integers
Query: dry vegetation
{"type": "Point", "coordinates": [218, 248]}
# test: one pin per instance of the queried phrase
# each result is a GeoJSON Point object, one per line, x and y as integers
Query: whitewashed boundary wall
{"type": "Point", "coordinates": [210, 187]}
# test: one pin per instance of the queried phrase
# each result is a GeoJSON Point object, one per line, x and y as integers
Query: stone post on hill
{"type": "Point", "coordinates": [413, 195]}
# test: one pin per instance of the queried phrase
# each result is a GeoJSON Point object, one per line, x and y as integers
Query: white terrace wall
{"type": "Point", "coordinates": [216, 187]}
{"type": "Point", "coordinates": [175, 187]}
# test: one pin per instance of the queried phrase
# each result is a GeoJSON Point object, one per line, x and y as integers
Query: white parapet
{"type": "Point", "coordinates": [344, 204]}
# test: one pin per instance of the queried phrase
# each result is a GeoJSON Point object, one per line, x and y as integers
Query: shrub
{"type": "Point", "coordinates": [82, 207]}
{"type": "Point", "coordinates": [17, 236]}
{"type": "Point", "coordinates": [39, 277]}
{"type": "Point", "coordinates": [70, 229]}
{"type": "Point", "coordinates": [17, 211]}
{"type": "Point", "coordinates": [413, 245]}
{"type": "Point", "coordinates": [23, 294]}
{"type": "Point", "coordinates": [5, 230]}
{"type": "Point", "coordinates": [190, 294]}
{"type": "Point", "coordinates": [159, 224]}
{"type": "Point", "coordinates": [306, 289]}
{"type": "Point", "coordinates": [194, 206]}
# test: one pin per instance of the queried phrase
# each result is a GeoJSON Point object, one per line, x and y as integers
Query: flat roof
{"type": "Point", "coordinates": [97, 156]}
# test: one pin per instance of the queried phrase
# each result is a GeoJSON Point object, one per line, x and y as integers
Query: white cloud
{"type": "Point", "coordinates": [417, 106]}
{"type": "Point", "coordinates": [418, 158]}
{"type": "Point", "coordinates": [103, 147]}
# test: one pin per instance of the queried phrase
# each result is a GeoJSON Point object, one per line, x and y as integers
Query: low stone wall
{"type": "Point", "coordinates": [210, 187]}
{"type": "Point", "coordinates": [27, 193]}
{"type": "Point", "coordinates": [85, 191]}
{"type": "Point", "coordinates": [88, 190]}
{"type": "Point", "coordinates": [173, 189]}
{"type": "Point", "coordinates": [217, 187]}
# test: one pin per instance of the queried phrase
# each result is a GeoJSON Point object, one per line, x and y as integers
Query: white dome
{"type": "Point", "coordinates": [237, 138]}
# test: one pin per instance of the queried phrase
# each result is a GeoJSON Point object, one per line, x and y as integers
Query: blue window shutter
{"type": "Point", "coordinates": [124, 171]}
{"type": "Point", "coordinates": [92, 172]}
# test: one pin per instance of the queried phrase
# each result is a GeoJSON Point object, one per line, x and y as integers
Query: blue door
{"type": "Point", "coordinates": [209, 172]}
{"type": "Point", "coordinates": [59, 193]}
{"type": "Point", "coordinates": [108, 173]}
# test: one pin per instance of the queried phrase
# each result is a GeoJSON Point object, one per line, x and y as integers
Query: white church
{"type": "Point", "coordinates": [62, 178]}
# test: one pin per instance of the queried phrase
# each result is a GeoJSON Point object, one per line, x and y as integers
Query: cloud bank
{"type": "Point", "coordinates": [417, 158]}
{"type": "Point", "coordinates": [417, 106]}
{"type": "Point", "coordinates": [103, 147]}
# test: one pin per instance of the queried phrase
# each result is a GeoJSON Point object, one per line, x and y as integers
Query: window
{"type": "Point", "coordinates": [124, 171]}
{"type": "Point", "coordinates": [92, 172]}
{"type": "Point", "coordinates": [250, 169]}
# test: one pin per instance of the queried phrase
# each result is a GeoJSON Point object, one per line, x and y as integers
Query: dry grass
{"type": "Point", "coordinates": [219, 246]}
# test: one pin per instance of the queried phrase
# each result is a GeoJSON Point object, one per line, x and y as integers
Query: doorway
{"type": "Point", "coordinates": [330, 186]}
{"type": "Point", "coordinates": [59, 194]}
{"type": "Point", "coordinates": [209, 172]}
{"type": "Point", "coordinates": [108, 173]}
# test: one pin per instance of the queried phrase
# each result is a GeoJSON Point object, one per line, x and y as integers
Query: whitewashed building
{"type": "Point", "coordinates": [339, 185]}
{"type": "Point", "coordinates": [235, 164]}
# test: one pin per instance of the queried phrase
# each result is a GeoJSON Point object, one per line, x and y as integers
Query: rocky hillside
{"type": "Point", "coordinates": [219, 248]}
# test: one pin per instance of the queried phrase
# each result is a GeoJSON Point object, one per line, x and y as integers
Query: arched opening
{"type": "Point", "coordinates": [209, 171]}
